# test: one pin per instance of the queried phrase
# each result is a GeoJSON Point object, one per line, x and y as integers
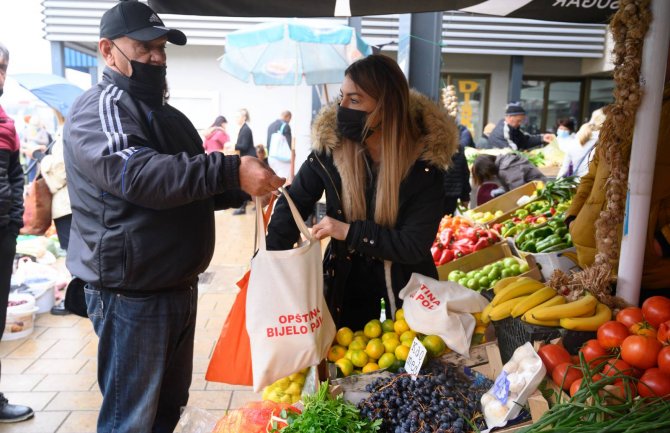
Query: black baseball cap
{"type": "Point", "coordinates": [137, 21]}
{"type": "Point", "coordinates": [514, 109]}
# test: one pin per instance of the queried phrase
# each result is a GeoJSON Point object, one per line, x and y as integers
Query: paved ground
{"type": "Point", "coordinates": [54, 370]}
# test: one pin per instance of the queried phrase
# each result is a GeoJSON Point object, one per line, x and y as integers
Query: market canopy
{"type": "Point", "coordinates": [577, 11]}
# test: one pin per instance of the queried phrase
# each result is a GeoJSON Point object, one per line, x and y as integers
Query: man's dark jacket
{"type": "Point", "coordinates": [522, 140]}
{"type": "Point", "coordinates": [142, 191]}
{"type": "Point", "coordinates": [11, 176]}
{"type": "Point", "coordinates": [245, 142]}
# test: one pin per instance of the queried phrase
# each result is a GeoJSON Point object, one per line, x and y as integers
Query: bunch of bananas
{"type": "Point", "coordinates": [538, 304]}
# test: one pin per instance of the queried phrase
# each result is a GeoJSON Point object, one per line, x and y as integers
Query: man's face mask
{"type": "Point", "coordinates": [563, 133]}
{"type": "Point", "coordinates": [351, 123]}
{"type": "Point", "coordinates": [146, 82]}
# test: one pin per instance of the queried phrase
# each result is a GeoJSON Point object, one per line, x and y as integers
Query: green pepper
{"type": "Point", "coordinates": [521, 213]}
{"type": "Point", "coordinates": [557, 247]}
{"type": "Point", "coordinates": [523, 235]}
{"type": "Point", "coordinates": [553, 242]}
{"type": "Point", "coordinates": [528, 246]}
{"type": "Point", "coordinates": [567, 239]}
{"type": "Point", "coordinates": [561, 231]}
{"type": "Point", "coordinates": [541, 233]}
{"type": "Point", "coordinates": [508, 233]}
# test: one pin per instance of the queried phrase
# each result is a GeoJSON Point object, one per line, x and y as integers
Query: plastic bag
{"type": "Point", "coordinates": [253, 417]}
{"type": "Point", "coordinates": [195, 420]}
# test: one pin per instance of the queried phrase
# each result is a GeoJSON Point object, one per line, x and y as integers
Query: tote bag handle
{"type": "Point", "coordinates": [260, 229]}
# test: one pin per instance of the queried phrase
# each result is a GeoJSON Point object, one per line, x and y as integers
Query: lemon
{"type": "Point", "coordinates": [400, 326]}
{"type": "Point", "coordinates": [390, 336]}
{"type": "Point", "coordinates": [336, 352]}
{"type": "Point", "coordinates": [408, 336]}
{"type": "Point", "coordinates": [283, 383]}
{"type": "Point", "coordinates": [370, 367]}
{"type": "Point", "coordinates": [359, 358]}
{"type": "Point", "coordinates": [344, 336]}
{"type": "Point", "coordinates": [434, 345]}
{"type": "Point", "coordinates": [387, 325]}
{"type": "Point", "coordinates": [399, 314]}
{"type": "Point", "coordinates": [362, 338]}
{"type": "Point", "coordinates": [294, 389]}
{"type": "Point", "coordinates": [345, 366]}
{"type": "Point", "coordinates": [373, 329]}
{"type": "Point", "coordinates": [386, 360]}
{"type": "Point", "coordinates": [357, 345]}
{"type": "Point", "coordinates": [295, 399]}
{"type": "Point", "coordinates": [402, 352]}
{"type": "Point", "coordinates": [286, 398]}
{"type": "Point", "coordinates": [375, 348]}
{"type": "Point", "coordinates": [390, 345]}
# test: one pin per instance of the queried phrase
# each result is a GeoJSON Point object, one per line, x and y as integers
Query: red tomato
{"type": "Point", "coordinates": [663, 334]}
{"type": "Point", "coordinates": [643, 328]}
{"type": "Point", "coordinates": [565, 374]}
{"type": "Point", "coordinates": [629, 316]}
{"type": "Point", "coordinates": [617, 366]}
{"type": "Point", "coordinates": [654, 383]}
{"type": "Point", "coordinates": [575, 386]}
{"type": "Point", "coordinates": [623, 389]}
{"type": "Point", "coordinates": [664, 360]}
{"type": "Point", "coordinates": [611, 334]}
{"type": "Point", "coordinates": [640, 352]}
{"type": "Point", "coordinates": [552, 355]}
{"type": "Point", "coordinates": [656, 310]}
{"type": "Point", "coordinates": [594, 353]}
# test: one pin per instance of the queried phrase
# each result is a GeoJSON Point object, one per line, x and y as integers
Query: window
{"type": "Point", "coordinates": [472, 92]}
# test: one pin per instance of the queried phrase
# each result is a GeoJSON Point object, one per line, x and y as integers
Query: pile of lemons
{"type": "Point", "coordinates": [286, 389]}
{"type": "Point", "coordinates": [379, 345]}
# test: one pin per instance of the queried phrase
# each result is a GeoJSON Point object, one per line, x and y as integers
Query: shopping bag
{"type": "Point", "coordinates": [280, 148]}
{"type": "Point", "coordinates": [37, 208]}
{"type": "Point", "coordinates": [288, 322]}
{"type": "Point", "coordinates": [442, 308]}
{"type": "Point", "coordinates": [231, 360]}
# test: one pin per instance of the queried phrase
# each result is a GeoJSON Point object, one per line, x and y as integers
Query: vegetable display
{"type": "Point", "coordinates": [488, 275]}
{"type": "Point", "coordinates": [457, 237]}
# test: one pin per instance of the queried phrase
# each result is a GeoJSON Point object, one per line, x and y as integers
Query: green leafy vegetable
{"type": "Point", "coordinates": [323, 413]}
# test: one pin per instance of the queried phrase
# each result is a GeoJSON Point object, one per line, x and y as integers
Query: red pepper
{"type": "Point", "coordinates": [447, 256]}
{"type": "Point", "coordinates": [481, 244]}
{"type": "Point", "coordinates": [463, 249]}
{"type": "Point", "coordinates": [497, 227]}
{"type": "Point", "coordinates": [552, 210]}
{"type": "Point", "coordinates": [446, 236]}
{"type": "Point", "coordinates": [436, 251]}
{"type": "Point", "coordinates": [461, 242]}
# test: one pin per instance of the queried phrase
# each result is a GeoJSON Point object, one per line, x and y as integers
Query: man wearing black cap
{"type": "Point", "coordinates": [508, 134]}
{"type": "Point", "coordinates": [143, 196]}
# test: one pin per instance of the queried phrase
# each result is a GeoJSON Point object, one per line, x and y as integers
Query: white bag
{"type": "Point", "coordinates": [442, 308]}
{"type": "Point", "coordinates": [288, 321]}
{"type": "Point", "coordinates": [280, 148]}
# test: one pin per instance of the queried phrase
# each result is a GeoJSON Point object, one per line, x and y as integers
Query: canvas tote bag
{"type": "Point", "coordinates": [288, 321]}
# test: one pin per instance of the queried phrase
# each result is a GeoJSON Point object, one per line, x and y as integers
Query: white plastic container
{"type": "Point", "coordinates": [20, 318]}
{"type": "Point", "coordinates": [520, 377]}
{"type": "Point", "coordinates": [42, 288]}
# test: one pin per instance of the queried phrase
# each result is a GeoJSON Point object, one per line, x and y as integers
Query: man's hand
{"type": "Point", "coordinates": [256, 178]}
{"type": "Point", "coordinates": [548, 138]}
{"type": "Point", "coordinates": [330, 227]}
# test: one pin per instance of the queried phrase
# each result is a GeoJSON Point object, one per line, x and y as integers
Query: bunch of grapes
{"type": "Point", "coordinates": [441, 400]}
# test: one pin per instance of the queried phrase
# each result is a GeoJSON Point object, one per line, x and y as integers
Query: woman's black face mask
{"type": "Point", "coordinates": [351, 124]}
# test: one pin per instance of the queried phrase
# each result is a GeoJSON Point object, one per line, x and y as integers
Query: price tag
{"type": "Point", "coordinates": [415, 358]}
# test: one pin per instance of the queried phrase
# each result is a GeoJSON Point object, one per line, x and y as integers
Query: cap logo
{"type": "Point", "coordinates": [154, 19]}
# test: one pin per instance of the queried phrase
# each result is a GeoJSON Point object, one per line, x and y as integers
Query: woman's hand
{"type": "Point", "coordinates": [330, 227]}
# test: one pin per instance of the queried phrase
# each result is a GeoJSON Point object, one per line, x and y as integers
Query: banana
{"type": "Point", "coordinates": [529, 319]}
{"type": "Point", "coordinates": [521, 287]}
{"type": "Point", "coordinates": [504, 310]}
{"type": "Point", "coordinates": [485, 314]}
{"type": "Point", "coordinates": [603, 314]}
{"type": "Point", "coordinates": [537, 298]}
{"type": "Point", "coordinates": [528, 316]}
{"type": "Point", "coordinates": [576, 308]}
{"type": "Point", "coordinates": [501, 284]}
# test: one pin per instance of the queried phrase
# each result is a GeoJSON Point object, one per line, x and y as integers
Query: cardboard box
{"type": "Point", "coordinates": [488, 255]}
{"type": "Point", "coordinates": [507, 202]}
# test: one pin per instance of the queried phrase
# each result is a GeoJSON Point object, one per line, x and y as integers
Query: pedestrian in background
{"type": "Point", "coordinates": [11, 220]}
{"type": "Point", "coordinates": [216, 136]}
{"type": "Point", "coordinates": [508, 134]}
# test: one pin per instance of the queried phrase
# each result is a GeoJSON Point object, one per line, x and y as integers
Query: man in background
{"type": "Point", "coordinates": [11, 220]}
{"type": "Point", "coordinates": [508, 133]}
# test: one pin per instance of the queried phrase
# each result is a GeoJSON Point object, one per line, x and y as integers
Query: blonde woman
{"type": "Point", "coordinates": [380, 157]}
{"type": "Point", "coordinates": [579, 152]}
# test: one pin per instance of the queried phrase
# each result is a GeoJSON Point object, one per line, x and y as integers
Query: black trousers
{"type": "Point", "coordinates": [7, 251]}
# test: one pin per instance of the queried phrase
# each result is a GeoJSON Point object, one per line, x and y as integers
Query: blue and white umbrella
{"type": "Point", "coordinates": [285, 53]}
{"type": "Point", "coordinates": [57, 92]}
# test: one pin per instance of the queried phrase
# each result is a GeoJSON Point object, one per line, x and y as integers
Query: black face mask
{"type": "Point", "coordinates": [351, 123]}
{"type": "Point", "coordinates": [1, 91]}
{"type": "Point", "coordinates": [147, 82]}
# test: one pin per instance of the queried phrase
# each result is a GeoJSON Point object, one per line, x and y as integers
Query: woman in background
{"type": "Point", "coordinates": [216, 136]}
{"type": "Point", "coordinates": [579, 151]}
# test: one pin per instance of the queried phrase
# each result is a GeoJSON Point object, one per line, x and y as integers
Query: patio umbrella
{"type": "Point", "coordinates": [57, 92]}
{"type": "Point", "coordinates": [548, 10]}
{"type": "Point", "coordinates": [283, 53]}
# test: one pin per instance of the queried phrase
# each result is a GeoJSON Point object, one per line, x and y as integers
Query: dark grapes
{"type": "Point", "coordinates": [443, 399]}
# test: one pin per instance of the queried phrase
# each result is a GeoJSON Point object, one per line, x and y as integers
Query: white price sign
{"type": "Point", "coordinates": [415, 358]}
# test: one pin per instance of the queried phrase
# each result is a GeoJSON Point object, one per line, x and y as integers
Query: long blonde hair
{"type": "Point", "coordinates": [587, 129]}
{"type": "Point", "coordinates": [380, 77]}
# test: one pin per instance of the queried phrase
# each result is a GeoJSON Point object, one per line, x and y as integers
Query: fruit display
{"type": "Point", "coordinates": [379, 345]}
{"type": "Point", "coordinates": [441, 399]}
{"type": "Point", "coordinates": [550, 237]}
{"type": "Point", "coordinates": [287, 389]}
{"type": "Point", "coordinates": [458, 237]}
{"type": "Point", "coordinates": [487, 276]}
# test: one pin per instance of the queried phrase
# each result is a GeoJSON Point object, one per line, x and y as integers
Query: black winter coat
{"type": "Point", "coordinates": [245, 142]}
{"type": "Point", "coordinates": [523, 141]}
{"type": "Point", "coordinates": [401, 250]}
{"type": "Point", "coordinates": [11, 175]}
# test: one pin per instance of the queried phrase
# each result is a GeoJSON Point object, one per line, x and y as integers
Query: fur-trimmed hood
{"type": "Point", "coordinates": [438, 133]}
